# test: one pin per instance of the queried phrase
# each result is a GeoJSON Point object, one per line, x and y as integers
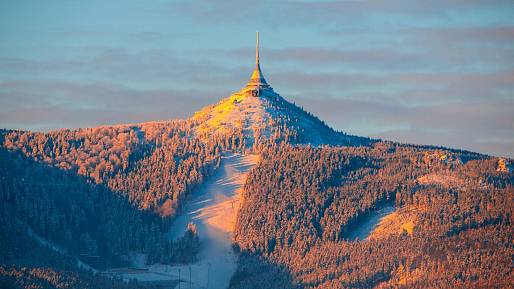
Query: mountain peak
{"type": "Point", "coordinates": [257, 111]}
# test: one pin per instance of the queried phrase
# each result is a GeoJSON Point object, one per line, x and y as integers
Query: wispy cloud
{"type": "Point", "coordinates": [59, 104]}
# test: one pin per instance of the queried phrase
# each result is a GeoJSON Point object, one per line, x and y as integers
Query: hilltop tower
{"type": "Point", "coordinates": [257, 83]}
{"type": "Point", "coordinates": [256, 112]}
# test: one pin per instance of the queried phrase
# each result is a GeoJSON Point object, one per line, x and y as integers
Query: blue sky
{"type": "Point", "coordinates": [428, 72]}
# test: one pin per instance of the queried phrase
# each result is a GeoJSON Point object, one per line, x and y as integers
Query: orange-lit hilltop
{"type": "Point", "coordinates": [257, 111]}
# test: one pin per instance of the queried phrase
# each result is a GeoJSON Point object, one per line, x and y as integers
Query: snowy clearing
{"type": "Point", "coordinates": [213, 208]}
{"type": "Point", "coordinates": [371, 222]}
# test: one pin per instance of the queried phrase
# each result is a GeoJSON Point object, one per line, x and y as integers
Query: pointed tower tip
{"type": "Point", "coordinates": [257, 79]}
{"type": "Point", "coordinates": [257, 50]}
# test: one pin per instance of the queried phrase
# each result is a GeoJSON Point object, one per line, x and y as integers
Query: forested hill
{"type": "Point", "coordinates": [104, 194]}
{"type": "Point", "coordinates": [108, 193]}
{"type": "Point", "coordinates": [452, 225]}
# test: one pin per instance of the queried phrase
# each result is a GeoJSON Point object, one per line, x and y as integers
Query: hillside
{"type": "Point", "coordinates": [106, 194]}
{"type": "Point", "coordinates": [267, 117]}
{"type": "Point", "coordinates": [303, 206]}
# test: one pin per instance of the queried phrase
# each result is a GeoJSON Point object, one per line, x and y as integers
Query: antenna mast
{"type": "Point", "coordinates": [257, 50]}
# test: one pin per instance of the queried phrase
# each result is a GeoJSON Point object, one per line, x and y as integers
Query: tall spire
{"type": "Point", "coordinates": [257, 50]}
{"type": "Point", "coordinates": [257, 79]}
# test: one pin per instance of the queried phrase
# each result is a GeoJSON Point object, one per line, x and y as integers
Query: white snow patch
{"type": "Point", "coordinates": [371, 222]}
{"type": "Point", "coordinates": [213, 209]}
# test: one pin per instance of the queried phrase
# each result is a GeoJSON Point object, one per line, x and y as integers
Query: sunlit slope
{"type": "Point", "coordinates": [268, 116]}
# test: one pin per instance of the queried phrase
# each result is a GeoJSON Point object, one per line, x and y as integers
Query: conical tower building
{"type": "Point", "coordinates": [257, 83]}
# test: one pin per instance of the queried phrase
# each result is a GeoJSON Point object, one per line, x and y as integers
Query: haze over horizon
{"type": "Point", "coordinates": [436, 73]}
